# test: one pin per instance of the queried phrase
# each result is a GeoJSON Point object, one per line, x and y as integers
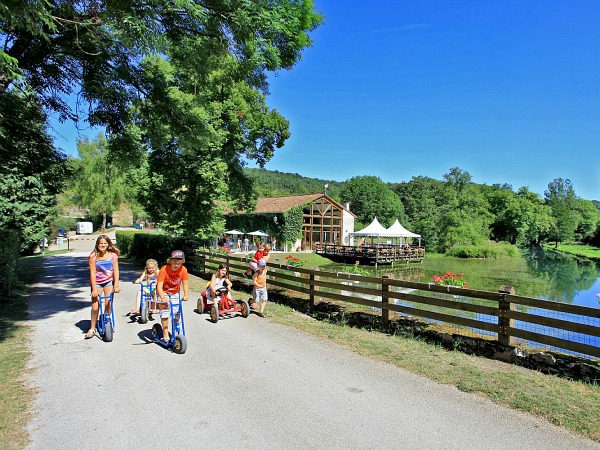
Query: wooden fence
{"type": "Point", "coordinates": [501, 315]}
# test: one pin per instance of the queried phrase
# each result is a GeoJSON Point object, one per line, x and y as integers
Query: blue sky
{"type": "Point", "coordinates": [507, 90]}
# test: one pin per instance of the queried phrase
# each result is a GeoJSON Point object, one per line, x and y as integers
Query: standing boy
{"type": "Point", "coordinates": [170, 279]}
{"type": "Point", "coordinates": [259, 294]}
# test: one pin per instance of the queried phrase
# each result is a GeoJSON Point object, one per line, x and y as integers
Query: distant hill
{"type": "Point", "coordinates": [275, 184]}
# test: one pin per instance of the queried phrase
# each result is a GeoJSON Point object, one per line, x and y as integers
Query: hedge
{"type": "Point", "coordinates": [9, 256]}
{"type": "Point", "coordinates": [144, 245]}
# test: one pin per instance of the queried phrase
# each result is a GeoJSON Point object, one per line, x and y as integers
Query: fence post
{"type": "Point", "coordinates": [385, 301]}
{"type": "Point", "coordinates": [504, 322]}
{"type": "Point", "coordinates": [311, 287]}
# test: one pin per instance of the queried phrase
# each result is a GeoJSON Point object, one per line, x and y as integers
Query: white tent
{"type": "Point", "coordinates": [374, 229]}
{"type": "Point", "coordinates": [258, 233]}
{"type": "Point", "coordinates": [397, 230]}
{"type": "Point", "coordinates": [234, 232]}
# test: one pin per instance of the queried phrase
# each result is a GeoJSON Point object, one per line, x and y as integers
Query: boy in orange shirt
{"type": "Point", "coordinates": [169, 281]}
{"type": "Point", "coordinates": [259, 293]}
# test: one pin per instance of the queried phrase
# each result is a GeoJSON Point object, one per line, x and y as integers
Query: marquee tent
{"type": "Point", "coordinates": [234, 232]}
{"type": "Point", "coordinates": [397, 230]}
{"type": "Point", "coordinates": [373, 229]}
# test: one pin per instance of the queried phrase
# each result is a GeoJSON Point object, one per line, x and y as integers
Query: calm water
{"type": "Point", "coordinates": [538, 274]}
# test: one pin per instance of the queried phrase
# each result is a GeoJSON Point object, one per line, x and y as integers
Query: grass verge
{"type": "Point", "coordinates": [15, 396]}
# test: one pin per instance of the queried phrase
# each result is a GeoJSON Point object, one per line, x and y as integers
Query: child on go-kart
{"type": "Point", "coordinates": [218, 281]}
{"type": "Point", "coordinates": [170, 279]}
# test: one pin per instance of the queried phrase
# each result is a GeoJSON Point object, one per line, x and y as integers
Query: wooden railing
{"type": "Point", "coordinates": [383, 253]}
{"type": "Point", "coordinates": [501, 315]}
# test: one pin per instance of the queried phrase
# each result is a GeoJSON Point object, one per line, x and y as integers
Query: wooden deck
{"type": "Point", "coordinates": [381, 254]}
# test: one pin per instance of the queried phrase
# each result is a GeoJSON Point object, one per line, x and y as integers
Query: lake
{"type": "Point", "coordinates": [539, 274]}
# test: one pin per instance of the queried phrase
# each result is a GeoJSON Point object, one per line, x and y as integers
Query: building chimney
{"type": "Point", "coordinates": [347, 206]}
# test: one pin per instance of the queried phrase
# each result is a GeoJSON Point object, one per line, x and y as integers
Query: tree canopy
{"type": "Point", "coordinates": [185, 81]}
{"type": "Point", "coordinates": [32, 171]}
{"type": "Point", "coordinates": [370, 197]}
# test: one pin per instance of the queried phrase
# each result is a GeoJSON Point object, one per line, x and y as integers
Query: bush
{"type": "Point", "coordinates": [489, 250]}
{"type": "Point", "coordinates": [144, 245]}
{"type": "Point", "coordinates": [9, 255]}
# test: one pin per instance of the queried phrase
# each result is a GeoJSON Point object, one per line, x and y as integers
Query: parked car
{"type": "Point", "coordinates": [61, 233]}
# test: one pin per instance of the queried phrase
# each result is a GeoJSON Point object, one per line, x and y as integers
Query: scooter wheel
{"type": "Point", "coordinates": [200, 306]}
{"type": "Point", "coordinates": [108, 332]}
{"type": "Point", "coordinates": [180, 344]}
{"type": "Point", "coordinates": [144, 313]}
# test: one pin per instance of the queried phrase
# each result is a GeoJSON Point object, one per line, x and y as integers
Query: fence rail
{"type": "Point", "coordinates": [501, 315]}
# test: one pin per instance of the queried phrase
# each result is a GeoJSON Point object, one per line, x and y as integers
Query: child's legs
{"type": "Point", "coordinates": [261, 297]}
{"type": "Point", "coordinates": [137, 301]}
{"type": "Point", "coordinates": [164, 321]}
{"type": "Point", "coordinates": [95, 309]}
{"type": "Point", "coordinates": [106, 290]}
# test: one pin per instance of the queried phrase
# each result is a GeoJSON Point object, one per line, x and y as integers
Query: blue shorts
{"type": "Point", "coordinates": [103, 285]}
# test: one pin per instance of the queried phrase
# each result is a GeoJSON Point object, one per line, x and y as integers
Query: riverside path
{"type": "Point", "coordinates": [243, 383]}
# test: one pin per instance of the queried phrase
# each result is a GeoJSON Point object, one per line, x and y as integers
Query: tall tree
{"type": "Point", "coordinates": [32, 171]}
{"type": "Point", "coordinates": [560, 196]}
{"type": "Point", "coordinates": [370, 197]}
{"type": "Point", "coordinates": [185, 81]}
{"type": "Point", "coordinates": [100, 184]}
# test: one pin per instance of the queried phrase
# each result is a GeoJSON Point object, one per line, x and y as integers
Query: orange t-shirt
{"type": "Point", "coordinates": [172, 280]}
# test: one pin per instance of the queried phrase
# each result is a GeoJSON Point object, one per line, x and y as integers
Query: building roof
{"type": "Point", "coordinates": [273, 205]}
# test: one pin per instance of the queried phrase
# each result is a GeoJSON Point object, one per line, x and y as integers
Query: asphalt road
{"type": "Point", "coordinates": [243, 383]}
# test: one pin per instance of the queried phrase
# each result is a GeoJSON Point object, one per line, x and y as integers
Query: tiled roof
{"type": "Point", "coordinates": [282, 204]}
{"type": "Point", "coordinates": [272, 205]}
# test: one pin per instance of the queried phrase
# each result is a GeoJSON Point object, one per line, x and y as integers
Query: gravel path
{"type": "Point", "coordinates": [243, 383]}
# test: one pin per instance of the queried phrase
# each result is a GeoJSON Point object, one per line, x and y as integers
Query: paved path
{"type": "Point", "coordinates": [243, 383]}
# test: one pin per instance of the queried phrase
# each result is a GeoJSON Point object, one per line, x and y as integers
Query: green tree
{"type": "Point", "coordinates": [370, 197]}
{"type": "Point", "coordinates": [32, 171]}
{"type": "Point", "coordinates": [423, 198]}
{"type": "Point", "coordinates": [588, 220]}
{"type": "Point", "coordinates": [560, 196]}
{"type": "Point", "coordinates": [184, 81]}
{"type": "Point", "coordinates": [100, 185]}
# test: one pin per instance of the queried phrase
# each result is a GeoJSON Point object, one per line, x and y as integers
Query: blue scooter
{"type": "Point", "coordinates": [146, 295]}
{"type": "Point", "coordinates": [106, 321]}
{"type": "Point", "coordinates": [177, 341]}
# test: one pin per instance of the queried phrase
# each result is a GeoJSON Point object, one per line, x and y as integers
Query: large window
{"type": "Point", "coordinates": [322, 224]}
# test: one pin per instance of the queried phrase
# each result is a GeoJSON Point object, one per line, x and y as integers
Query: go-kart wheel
{"type": "Point", "coordinates": [180, 344]}
{"type": "Point", "coordinates": [108, 332]}
{"type": "Point", "coordinates": [245, 308]}
{"type": "Point", "coordinates": [144, 313]}
{"type": "Point", "coordinates": [214, 314]}
{"type": "Point", "coordinates": [200, 306]}
{"type": "Point", "coordinates": [157, 331]}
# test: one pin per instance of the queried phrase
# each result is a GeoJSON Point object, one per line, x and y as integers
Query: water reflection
{"type": "Point", "coordinates": [539, 274]}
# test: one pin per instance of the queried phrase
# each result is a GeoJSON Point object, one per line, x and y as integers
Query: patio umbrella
{"type": "Point", "coordinates": [234, 232]}
{"type": "Point", "coordinates": [258, 233]}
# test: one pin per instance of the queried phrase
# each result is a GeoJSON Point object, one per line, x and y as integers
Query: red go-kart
{"type": "Point", "coordinates": [223, 306]}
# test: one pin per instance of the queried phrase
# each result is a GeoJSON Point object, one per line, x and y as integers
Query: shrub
{"type": "Point", "coordinates": [490, 250]}
{"type": "Point", "coordinates": [9, 255]}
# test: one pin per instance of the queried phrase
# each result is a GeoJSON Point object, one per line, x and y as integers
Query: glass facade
{"type": "Point", "coordinates": [322, 224]}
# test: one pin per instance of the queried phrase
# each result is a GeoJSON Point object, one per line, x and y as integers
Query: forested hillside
{"type": "Point", "coordinates": [274, 184]}
{"type": "Point", "coordinates": [454, 213]}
